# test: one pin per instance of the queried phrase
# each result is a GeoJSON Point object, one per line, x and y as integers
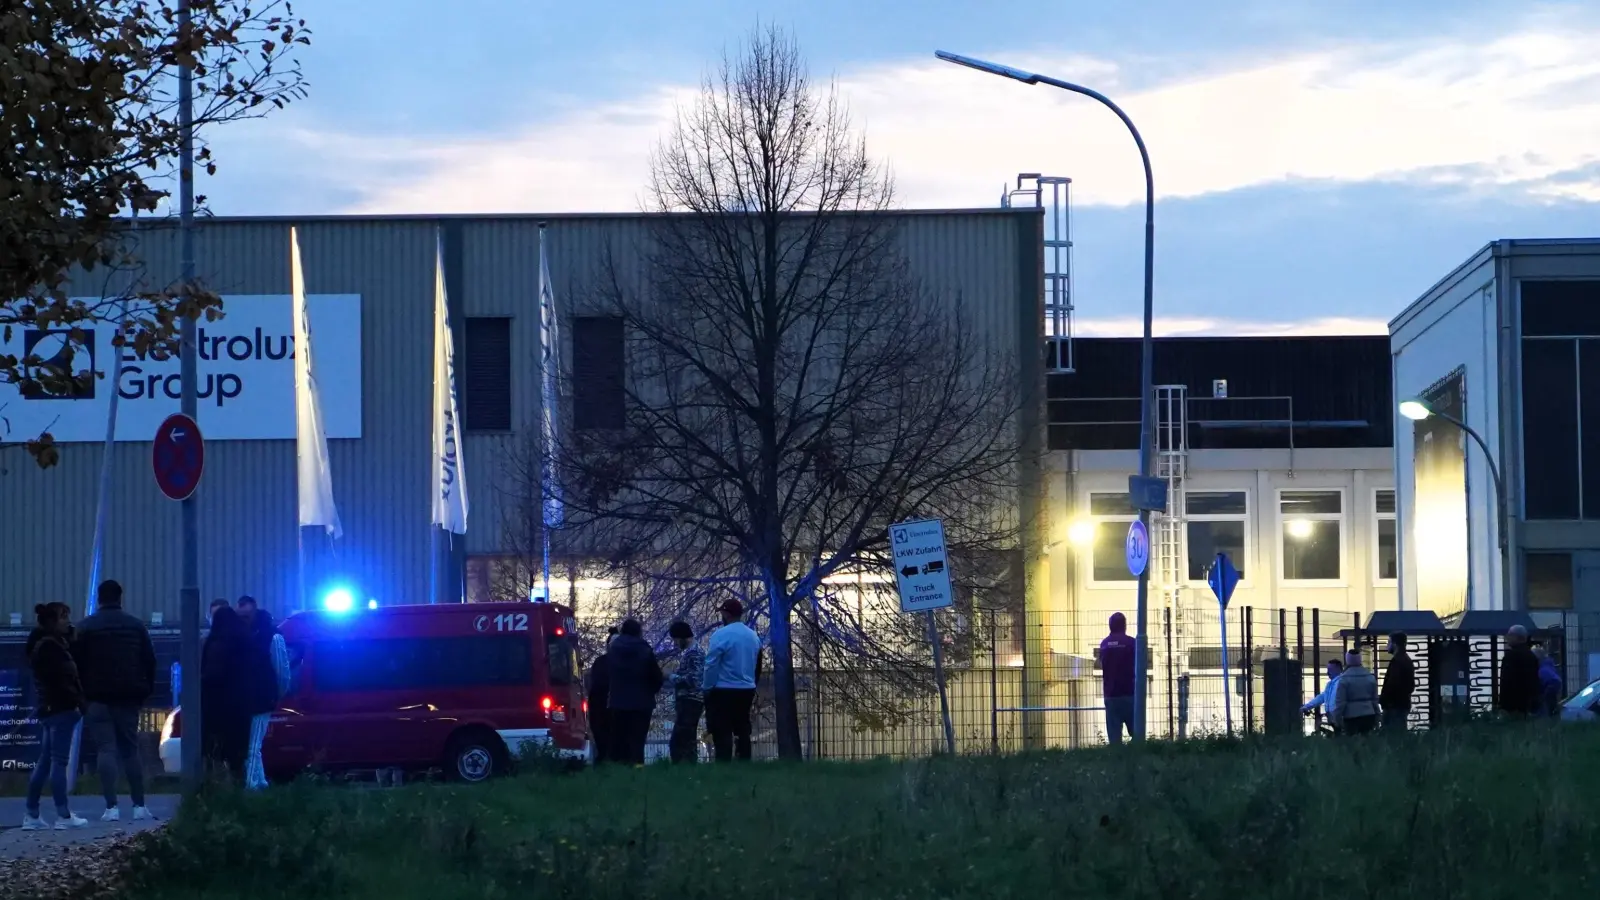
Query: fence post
{"type": "Point", "coordinates": [994, 682]}
{"type": "Point", "coordinates": [1183, 707]}
{"type": "Point", "coordinates": [1166, 614]}
{"type": "Point", "coordinates": [1283, 636]}
{"type": "Point", "coordinates": [1247, 676]}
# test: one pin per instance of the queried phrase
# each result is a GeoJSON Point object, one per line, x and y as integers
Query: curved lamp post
{"type": "Point", "coordinates": [1146, 424]}
{"type": "Point", "coordinates": [1417, 410]}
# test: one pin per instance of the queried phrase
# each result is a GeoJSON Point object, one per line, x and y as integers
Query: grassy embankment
{"type": "Point", "coordinates": [1488, 812]}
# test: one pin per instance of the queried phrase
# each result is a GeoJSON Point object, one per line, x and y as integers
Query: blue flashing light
{"type": "Point", "coordinates": [338, 600]}
{"type": "Point", "coordinates": [372, 603]}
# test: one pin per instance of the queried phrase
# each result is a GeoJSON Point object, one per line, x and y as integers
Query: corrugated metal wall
{"type": "Point", "coordinates": [247, 499]}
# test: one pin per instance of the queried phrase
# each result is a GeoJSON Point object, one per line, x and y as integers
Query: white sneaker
{"type": "Point", "coordinates": [32, 823]}
{"type": "Point", "coordinates": [112, 815]}
{"type": "Point", "coordinates": [71, 821]}
{"type": "Point", "coordinates": [142, 813]}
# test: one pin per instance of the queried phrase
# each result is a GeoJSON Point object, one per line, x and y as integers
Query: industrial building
{"type": "Point", "coordinates": [1508, 346]}
{"type": "Point", "coordinates": [370, 282]}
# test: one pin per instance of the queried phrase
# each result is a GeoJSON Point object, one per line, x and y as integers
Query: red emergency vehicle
{"type": "Point", "coordinates": [462, 687]}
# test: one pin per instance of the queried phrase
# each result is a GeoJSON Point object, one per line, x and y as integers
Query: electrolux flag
{"type": "Point", "coordinates": [311, 442]}
{"type": "Point", "coordinates": [246, 375]}
{"type": "Point", "coordinates": [555, 512]}
{"type": "Point", "coordinates": [449, 479]}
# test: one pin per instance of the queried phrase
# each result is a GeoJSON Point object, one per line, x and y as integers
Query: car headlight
{"type": "Point", "coordinates": [166, 726]}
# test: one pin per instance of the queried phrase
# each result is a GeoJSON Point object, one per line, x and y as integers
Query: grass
{"type": "Point", "coordinates": [1481, 812]}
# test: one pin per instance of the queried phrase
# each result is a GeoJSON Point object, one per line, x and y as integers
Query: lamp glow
{"type": "Point", "coordinates": [372, 603]}
{"type": "Point", "coordinates": [1081, 533]}
{"type": "Point", "coordinates": [338, 600]}
{"type": "Point", "coordinates": [1415, 410]}
{"type": "Point", "coordinates": [1299, 529]}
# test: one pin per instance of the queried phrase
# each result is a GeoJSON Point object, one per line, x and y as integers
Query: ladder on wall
{"type": "Point", "coordinates": [1172, 563]}
{"type": "Point", "coordinates": [1051, 193]}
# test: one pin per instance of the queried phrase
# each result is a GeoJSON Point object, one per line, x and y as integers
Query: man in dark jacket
{"type": "Point", "coordinates": [597, 688]}
{"type": "Point", "coordinates": [635, 680]}
{"type": "Point", "coordinates": [118, 666]}
{"type": "Point", "coordinates": [1399, 681]}
{"type": "Point", "coordinates": [55, 679]}
{"type": "Point", "coordinates": [1519, 675]}
{"type": "Point", "coordinates": [1116, 678]}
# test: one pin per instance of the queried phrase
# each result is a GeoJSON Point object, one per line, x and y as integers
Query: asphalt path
{"type": "Point", "coordinates": [18, 844]}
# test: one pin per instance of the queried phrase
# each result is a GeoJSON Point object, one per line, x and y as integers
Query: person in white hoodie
{"type": "Point", "coordinates": [733, 663]}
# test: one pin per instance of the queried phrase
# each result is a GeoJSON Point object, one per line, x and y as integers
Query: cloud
{"type": "Point", "coordinates": [1514, 111]}
{"type": "Point", "coordinates": [1196, 326]}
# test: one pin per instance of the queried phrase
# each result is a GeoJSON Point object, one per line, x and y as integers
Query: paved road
{"type": "Point", "coordinates": [18, 844]}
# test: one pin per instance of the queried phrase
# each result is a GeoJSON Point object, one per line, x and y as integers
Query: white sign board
{"type": "Point", "coordinates": [920, 566]}
{"type": "Point", "coordinates": [246, 376]}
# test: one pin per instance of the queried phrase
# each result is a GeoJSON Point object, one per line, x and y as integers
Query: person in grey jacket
{"type": "Point", "coordinates": [1355, 701]}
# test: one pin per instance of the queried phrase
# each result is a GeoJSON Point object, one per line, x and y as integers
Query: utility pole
{"type": "Point", "coordinates": [189, 594]}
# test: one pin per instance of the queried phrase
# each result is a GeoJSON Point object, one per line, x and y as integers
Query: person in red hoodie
{"type": "Point", "coordinates": [1116, 678]}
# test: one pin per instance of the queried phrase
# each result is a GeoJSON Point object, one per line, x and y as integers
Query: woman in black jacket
{"type": "Point", "coordinates": [55, 679]}
{"type": "Point", "coordinates": [225, 693]}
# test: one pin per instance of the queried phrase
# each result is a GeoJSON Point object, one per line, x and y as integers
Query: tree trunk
{"type": "Point", "coordinates": [785, 710]}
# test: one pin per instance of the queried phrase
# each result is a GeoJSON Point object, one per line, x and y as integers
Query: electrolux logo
{"type": "Point", "coordinates": [54, 347]}
{"type": "Point", "coordinates": [140, 378]}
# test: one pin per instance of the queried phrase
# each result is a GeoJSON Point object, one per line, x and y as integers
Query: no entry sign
{"type": "Point", "coordinates": [178, 456]}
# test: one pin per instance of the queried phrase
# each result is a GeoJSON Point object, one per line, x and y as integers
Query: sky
{"type": "Point", "coordinates": [1318, 166]}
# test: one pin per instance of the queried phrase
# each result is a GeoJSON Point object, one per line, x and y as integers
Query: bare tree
{"type": "Point", "coordinates": [792, 389]}
{"type": "Point", "coordinates": [91, 128]}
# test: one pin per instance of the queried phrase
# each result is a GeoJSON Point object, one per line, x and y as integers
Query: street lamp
{"type": "Point", "coordinates": [1146, 410]}
{"type": "Point", "coordinates": [1417, 410]}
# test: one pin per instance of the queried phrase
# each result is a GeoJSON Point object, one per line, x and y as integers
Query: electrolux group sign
{"type": "Point", "coordinates": [246, 376]}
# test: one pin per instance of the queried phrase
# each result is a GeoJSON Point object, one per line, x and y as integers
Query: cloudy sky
{"type": "Point", "coordinates": [1318, 165]}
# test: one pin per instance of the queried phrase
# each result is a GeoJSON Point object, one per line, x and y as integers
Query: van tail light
{"type": "Point", "coordinates": [547, 703]}
{"type": "Point", "coordinates": [556, 711]}
{"type": "Point", "coordinates": [586, 706]}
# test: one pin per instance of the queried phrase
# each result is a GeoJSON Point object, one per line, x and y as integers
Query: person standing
{"type": "Point", "coordinates": [269, 681]}
{"type": "Point", "coordinates": [1355, 700]}
{"type": "Point", "coordinates": [225, 688]}
{"type": "Point", "coordinates": [729, 683]}
{"type": "Point", "coordinates": [1324, 700]}
{"type": "Point", "coordinates": [1117, 653]}
{"type": "Point", "coordinates": [1399, 682]}
{"type": "Point", "coordinates": [687, 694]}
{"type": "Point", "coordinates": [597, 688]}
{"type": "Point", "coordinates": [1551, 686]}
{"type": "Point", "coordinates": [117, 663]}
{"type": "Point", "coordinates": [55, 679]}
{"type": "Point", "coordinates": [1519, 675]}
{"type": "Point", "coordinates": [635, 680]}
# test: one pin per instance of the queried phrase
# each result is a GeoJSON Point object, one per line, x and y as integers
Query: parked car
{"type": "Point", "coordinates": [1584, 706]}
{"type": "Point", "coordinates": [464, 688]}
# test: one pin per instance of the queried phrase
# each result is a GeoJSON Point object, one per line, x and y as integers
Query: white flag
{"type": "Point", "coordinates": [555, 510]}
{"type": "Point", "coordinates": [311, 441]}
{"type": "Point", "coordinates": [449, 477]}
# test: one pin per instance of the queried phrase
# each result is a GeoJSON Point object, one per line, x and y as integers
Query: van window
{"type": "Point", "coordinates": [389, 664]}
{"type": "Point", "coordinates": [563, 661]}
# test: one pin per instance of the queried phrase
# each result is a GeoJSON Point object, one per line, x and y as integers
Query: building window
{"type": "Point", "coordinates": [1560, 398]}
{"type": "Point", "coordinates": [1549, 577]}
{"type": "Point", "coordinates": [598, 387]}
{"type": "Point", "coordinates": [1311, 535]}
{"type": "Point", "coordinates": [1111, 514]}
{"type": "Point", "coordinates": [1386, 562]}
{"type": "Point", "coordinates": [486, 375]}
{"type": "Point", "coordinates": [1216, 524]}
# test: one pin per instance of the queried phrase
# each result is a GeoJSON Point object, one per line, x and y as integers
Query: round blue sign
{"type": "Point", "coordinates": [178, 455]}
{"type": "Point", "coordinates": [1138, 548]}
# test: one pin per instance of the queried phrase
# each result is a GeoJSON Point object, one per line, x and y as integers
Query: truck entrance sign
{"type": "Point", "coordinates": [920, 567]}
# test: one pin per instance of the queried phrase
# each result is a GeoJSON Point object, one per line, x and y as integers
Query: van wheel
{"type": "Point", "coordinates": [475, 756]}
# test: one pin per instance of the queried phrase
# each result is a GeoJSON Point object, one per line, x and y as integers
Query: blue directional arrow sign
{"type": "Point", "coordinates": [1223, 579]}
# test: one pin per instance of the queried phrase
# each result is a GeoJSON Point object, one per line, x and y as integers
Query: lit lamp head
{"type": "Point", "coordinates": [1299, 529]}
{"type": "Point", "coordinates": [1415, 410]}
{"type": "Point", "coordinates": [1081, 533]}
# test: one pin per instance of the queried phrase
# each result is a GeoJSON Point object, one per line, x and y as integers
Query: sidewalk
{"type": "Point", "coordinates": [18, 844]}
